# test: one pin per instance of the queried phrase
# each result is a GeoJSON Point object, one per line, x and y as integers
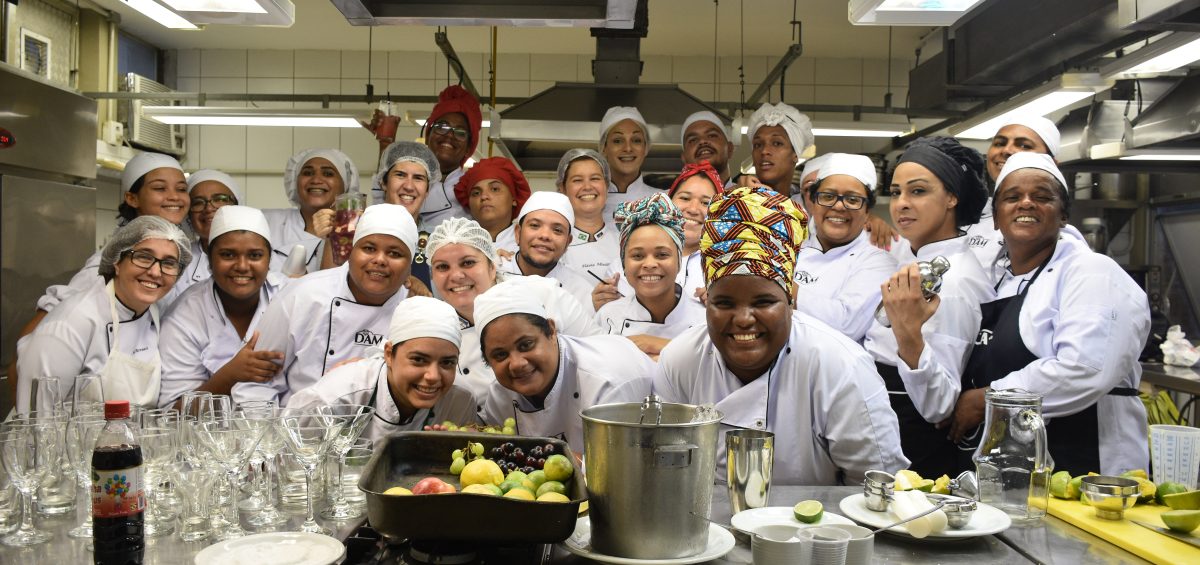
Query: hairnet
{"type": "Point", "coordinates": [345, 167]}
{"type": "Point", "coordinates": [238, 218]}
{"type": "Point", "coordinates": [753, 231]}
{"type": "Point", "coordinates": [143, 163]}
{"type": "Point", "coordinates": [422, 316]}
{"type": "Point", "coordinates": [455, 98]}
{"type": "Point", "coordinates": [205, 175]}
{"type": "Point", "coordinates": [797, 125]}
{"type": "Point", "coordinates": [388, 219]}
{"type": "Point", "coordinates": [576, 154]}
{"type": "Point", "coordinates": [546, 200]}
{"type": "Point", "coordinates": [690, 170]}
{"type": "Point", "coordinates": [508, 297]}
{"type": "Point", "coordinates": [616, 115]}
{"type": "Point", "coordinates": [136, 231]}
{"type": "Point", "coordinates": [398, 152]}
{"type": "Point", "coordinates": [1043, 127]}
{"type": "Point", "coordinates": [704, 116]}
{"type": "Point", "coordinates": [656, 209]}
{"type": "Point", "coordinates": [464, 231]}
{"type": "Point", "coordinates": [960, 169]}
{"type": "Point", "coordinates": [494, 168]}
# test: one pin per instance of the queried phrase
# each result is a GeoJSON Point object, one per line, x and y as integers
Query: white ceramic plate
{"type": "Point", "coordinates": [747, 520]}
{"type": "Point", "coordinates": [986, 520]}
{"type": "Point", "coordinates": [275, 548]}
{"type": "Point", "coordinates": [720, 541]}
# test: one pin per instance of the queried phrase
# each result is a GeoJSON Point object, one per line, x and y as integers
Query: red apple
{"type": "Point", "coordinates": [433, 485]}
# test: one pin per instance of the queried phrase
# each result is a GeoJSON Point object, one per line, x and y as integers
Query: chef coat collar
{"type": "Point", "coordinates": [612, 186]}
{"type": "Point", "coordinates": [579, 236]}
{"type": "Point", "coordinates": [813, 243]}
{"type": "Point", "coordinates": [944, 248]}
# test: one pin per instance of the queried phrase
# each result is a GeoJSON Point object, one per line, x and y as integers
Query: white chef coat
{"type": "Point", "coordinates": [576, 283]}
{"type": "Point", "coordinates": [986, 241]}
{"type": "Point", "coordinates": [198, 339]}
{"type": "Point", "coordinates": [1087, 322]}
{"type": "Point", "coordinates": [637, 190]}
{"type": "Point", "coordinates": [626, 316]}
{"type": "Point", "coordinates": [441, 203]}
{"type": "Point", "coordinates": [197, 271]}
{"type": "Point", "coordinates": [841, 286]}
{"type": "Point", "coordinates": [690, 277]}
{"type": "Point", "coordinates": [88, 278]}
{"type": "Point", "coordinates": [317, 324]}
{"type": "Point", "coordinates": [594, 256]}
{"type": "Point", "coordinates": [287, 229]}
{"type": "Point", "coordinates": [364, 382]}
{"type": "Point", "coordinates": [570, 318]}
{"type": "Point", "coordinates": [823, 400]}
{"type": "Point", "coordinates": [76, 337]}
{"type": "Point", "coordinates": [507, 239]}
{"type": "Point", "coordinates": [936, 381]}
{"type": "Point", "coordinates": [592, 370]}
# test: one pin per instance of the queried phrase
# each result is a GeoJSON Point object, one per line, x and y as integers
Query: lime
{"type": "Point", "coordinates": [808, 511]}
{"type": "Point", "coordinates": [558, 468]}
{"type": "Point", "coordinates": [1075, 488]}
{"type": "Point", "coordinates": [1181, 520]}
{"type": "Point", "coordinates": [1189, 500]}
{"type": "Point", "coordinates": [1146, 489]}
{"type": "Point", "coordinates": [941, 485]}
{"type": "Point", "coordinates": [479, 488]}
{"type": "Point", "coordinates": [551, 486]}
{"type": "Point", "coordinates": [1168, 487]}
{"type": "Point", "coordinates": [1058, 484]}
{"type": "Point", "coordinates": [1135, 474]}
{"type": "Point", "coordinates": [481, 471]}
{"type": "Point", "coordinates": [553, 497]}
{"type": "Point", "coordinates": [537, 478]}
{"type": "Point", "coordinates": [509, 485]}
{"type": "Point", "coordinates": [519, 493]}
{"type": "Point", "coordinates": [908, 480]}
{"type": "Point", "coordinates": [515, 476]}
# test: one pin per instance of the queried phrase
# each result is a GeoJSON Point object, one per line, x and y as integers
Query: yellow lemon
{"type": "Point", "coordinates": [481, 471]}
{"type": "Point", "coordinates": [519, 493]}
{"type": "Point", "coordinates": [553, 497]}
{"type": "Point", "coordinates": [480, 488]}
{"type": "Point", "coordinates": [397, 491]}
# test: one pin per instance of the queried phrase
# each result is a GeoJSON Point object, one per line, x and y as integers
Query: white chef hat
{"type": "Point", "coordinates": [1030, 160]}
{"type": "Point", "coordinates": [345, 167]}
{"type": "Point", "coordinates": [205, 175]}
{"type": "Point", "coordinates": [1040, 125]}
{"type": "Point", "coordinates": [705, 116]}
{"type": "Point", "coordinates": [508, 297]}
{"type": "Point", "coordinates": [422, 316]}
{"type": "Point", "coordinates": [614, 116]}
{"type": "Point", "coordinates": [797, 125]}
{"type": "Point", "coordinates": [546, 200]}
{"type": "Point", "coordinates": [464, 231]}
{"type": "Point", "coordinates": [237, 218]}
{"type": "Point", "coordinates": [388, 219]}
{"type": "Point", "coordinates": [813, 165]}
{"type": "Point", "coordinates": [143, 163]}
{"type": "Point", "coordinates": [858, 166]}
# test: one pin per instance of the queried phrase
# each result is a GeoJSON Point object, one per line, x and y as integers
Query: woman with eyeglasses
{"type": "Point", "coordinates": [313, 179]}
{"type": "Point", "coordinates": [209, 190]}
{"type": "Point", "coordinates": [452, 132]}
{"type": "Point", "coordinates": [112, 329]}
{"type": "Point", "coordinates": [837, 266]}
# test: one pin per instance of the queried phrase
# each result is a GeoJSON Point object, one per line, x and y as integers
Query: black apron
{"type": "Point", "coordinates": [930, 451]}
{"type": "Point", "coordinates": [1073, 441]}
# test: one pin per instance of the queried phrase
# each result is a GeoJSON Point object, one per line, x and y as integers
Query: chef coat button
{"type": "Point", "coordinates": [789, 350]}
{"type": "Point", "coordinates": [337, 302]}
{"type": "Point", "coordinates": [466, 371]}
{"type": "Point", "coordinates": [627, 324]}
{"type": "Point", "coordinates": [331, 352]}
{"type": "Point", "coordinates": [577, 395]}
{"type": "Point", "coordinates": [758, 424]}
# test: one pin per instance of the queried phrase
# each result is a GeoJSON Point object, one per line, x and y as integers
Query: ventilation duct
{"type": "Point", "coordinates": [613, 14]}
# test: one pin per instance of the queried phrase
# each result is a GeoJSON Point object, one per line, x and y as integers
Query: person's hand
{"type": "Point", "coordinates": [252, 366]}
{"type": "Point", "coordinates": [968, 413]}
{"type": "Point", "coordinates": [344, 362]}
{"type": "Point", "coordinates": [323, 222]}
{"type": "Point", "coordinates": [505, 254]}
{"type": "Point", "coordinates": [751, 181]}
{"type": "Point", "coordinates": [882, 233]}
{"type": "Point", "coordinates": [650, 345]}
{"type": "Point", "coordinates": [701, 294]}
{"type": "Point", "coordinates": [907, 309]}
{"type": "Point", "coordinates": [436, 428]}
{"type": "Point", "coordinates": [417, 288]}
{"type": "Point", "coordinates": [605, 292]}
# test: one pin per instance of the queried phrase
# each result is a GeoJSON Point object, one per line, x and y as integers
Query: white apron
{"type": "Point", "coordinates": [126, 378]}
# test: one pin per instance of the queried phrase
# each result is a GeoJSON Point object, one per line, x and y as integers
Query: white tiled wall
{"type": "Point", "coordinates": [256, 156]}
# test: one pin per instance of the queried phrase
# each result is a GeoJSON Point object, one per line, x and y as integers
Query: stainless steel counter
{"type": "Point", "coordinates": [1178, 380]}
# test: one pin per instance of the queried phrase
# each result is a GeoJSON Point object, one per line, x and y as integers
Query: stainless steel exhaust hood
{"type": "Point", "coordinates": [613, 14]}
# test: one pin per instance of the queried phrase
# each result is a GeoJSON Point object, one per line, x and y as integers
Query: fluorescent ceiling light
{"type": "Point", "coordinates": [1117, 150]}
{"type": "Point", "coordinates": [1050, 97]}
{"type": "Point", "coordinates": [238, 6]}
{"type": "Point", "coordinates": [160, 14]}
{"type": "Point", "coordinates": [855, 129]}
{"type": "Point", "coordinates": [1176, 50]}
{"type": "Point", "coordinates": [908, 12]}
{"type": "Point", "coordinates": [1162, 157]}
{"type": "Point", "coordinates": [276, 117]}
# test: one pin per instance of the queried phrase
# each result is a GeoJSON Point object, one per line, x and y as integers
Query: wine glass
{"type": "Point", "coordinates": [29, 450]}
{"type": "Point", "coordinates": [268, 449]}
{"type": "Point", "coordinates": [231, 441]}
{"type": "Point", "coordinates": [44, 394]}
{"type": "Point", "coordinates": [308, 438]}
{"type": "Point", "coordinates": [190, 403]}
{"type": "Point", "coordinates": [353, 419]}
{"type": "Point", "coordinates": [82, 432]}
{"type": "Point", "coordinates": [158, 449]}
{"type": "Point", "coordinates": [86, 390]}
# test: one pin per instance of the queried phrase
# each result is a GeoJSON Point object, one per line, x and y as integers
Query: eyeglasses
{"type": "Point", "coordinates": [218, 200]}
{"type": "Point", "coordinates": [444, 128]}
{"type": "Point", "coordinates": [169, 266]}
{"type": "Point", "coordinates": [850, 201]}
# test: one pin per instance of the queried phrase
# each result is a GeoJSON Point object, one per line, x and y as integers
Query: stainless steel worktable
{"type": "Point", "coordinates": [1179, 380]}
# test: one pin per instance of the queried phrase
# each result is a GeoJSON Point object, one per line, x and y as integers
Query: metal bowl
{"type": "Point", "coordinates": [958, 510]}
{"type": "Point", "coordinates": [1109, 495]}
{"type": "Point", "coordinates": [877, 489]}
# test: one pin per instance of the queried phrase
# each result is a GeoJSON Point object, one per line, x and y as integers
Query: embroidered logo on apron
{"type": "Point", "coordinates": [365, 337]}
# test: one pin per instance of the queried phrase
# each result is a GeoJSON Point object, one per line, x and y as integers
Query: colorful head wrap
{"type": "Point", "coordinates": [655, 209]}
{"type": "Point", "coordinates": [753, 231]}
{"type": "Point", "coordinates": [494, 168]}
{"type": "Point", "coordinates": [702, 168]}
{"type": "Point", "coordinates": [457, 99]}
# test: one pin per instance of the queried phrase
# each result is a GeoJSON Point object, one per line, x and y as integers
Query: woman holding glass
{"type": "Point", "coordinates": [313, 179]}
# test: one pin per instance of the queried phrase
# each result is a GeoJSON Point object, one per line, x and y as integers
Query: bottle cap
{"type": "Point", "coordinates": [116, 409]}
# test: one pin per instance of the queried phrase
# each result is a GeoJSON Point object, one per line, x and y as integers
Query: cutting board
{"type": "Point", "coordinates": [1131, 537]}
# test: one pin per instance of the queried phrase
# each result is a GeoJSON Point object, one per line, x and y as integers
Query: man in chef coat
{"type": "Point", "coordinates": [766, 367]}
{"type": "Point", "coordinates": [705, 137]}
{"type": "Point", "coordinates": [452, 132]}
{"type": "Point", "coordinates": [543, 235]}
{"type": "Point", "coordinates": [338, 314]}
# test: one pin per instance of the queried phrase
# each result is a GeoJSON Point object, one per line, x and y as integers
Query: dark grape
{"type": "Point", "coordinates": [548, 449]}
{"type": "Point", "coordinates": [518, 452]}
{"type": "Point", "coordinates": [497, 452]}
{"type": "Point", "coordinates": [541, 462]}
{"type": "Point", "coordinates": [527, 469]}
{"type": "Point", "coordinates": [507, 447]}
{"type": "Point", "coordinates": [536, 451]}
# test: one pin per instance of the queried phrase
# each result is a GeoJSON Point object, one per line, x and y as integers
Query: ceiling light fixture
{"type": "Point", "coordinates": [1165, 55]}
{"type": "Point", "coordinates": [1117, 150]}
{"type": "Point", "coordinates": [160, 14]}
{"type": "Point", "coordinates": [1047, 98]}
{"type": "Point", "coordinates": [855, 129]}
{"type": "Point", "coordinates": [238, 6]}
{"type": "Point", "coordinates": [275, 117]}
{"type": "Point", "coordinates": [909, 12]}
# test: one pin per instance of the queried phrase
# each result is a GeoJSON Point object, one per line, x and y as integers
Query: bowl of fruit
{"type": "Point", "coordinates": [473, 487]}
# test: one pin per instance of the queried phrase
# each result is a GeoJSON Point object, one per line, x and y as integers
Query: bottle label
{"type": "Point", "coordinates": [117, 493]}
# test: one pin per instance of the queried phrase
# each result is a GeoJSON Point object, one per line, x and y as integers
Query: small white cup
{"type": "Point", "coordinates": [828, 546]}
{"type": "Point", "coordinates": [861, 548]}
{"type": "Point", "coordinates": [1175, 454]}
{"type": "Point", "coordinates": [777, 545]}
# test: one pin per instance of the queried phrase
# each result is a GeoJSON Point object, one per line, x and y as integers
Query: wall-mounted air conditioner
{"type": "Point", "coordinates": [142, 131]}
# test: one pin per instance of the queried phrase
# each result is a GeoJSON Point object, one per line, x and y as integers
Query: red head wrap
{"type": "Point", "coordinates": [702, 168]}
{"type": "Point", "coordinates": [456, 99]}
{"type": "Point", "coordinates": [494, 168]}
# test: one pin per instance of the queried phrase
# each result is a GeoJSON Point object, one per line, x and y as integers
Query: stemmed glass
{"type": "Point", "coordinates": [82, 432]}
{"type": "Point", "coordinates": [158, 450]}
{"type": "Point", "coordinates": [231, 441]}
{"type": "Point", "coordinates": [87, 389]}
{"type": "Point", "coordinates": [268, 449]}
{"type": "Point", "coordinates": [29, 450]}
{"type": "Point", "coordinates": [353, 419]}
{"type": "Point", "coordinates": [44, 394]}
{"type": "Point", "coordinates": [308, 438]}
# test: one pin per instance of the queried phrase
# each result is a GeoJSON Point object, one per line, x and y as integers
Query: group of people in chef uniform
{"type": "Point", "coordinates": [467, 297]}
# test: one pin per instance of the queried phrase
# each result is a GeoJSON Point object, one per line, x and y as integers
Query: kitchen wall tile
{"type": "Point", "coordinates": [265, 190]}
{"type": "Point", "coordinates": [268, 148]}
{"type": "Point", "coordinates": [900, 70]}
{"type": "Point", "coordinates": [584, 65]}
{"type": "Point", "coordinates": [692, 70]}
{"type": "Point", "coordinates": [191, 148]}
{"type": "Point", "coordinates": [311, 63]}
{"type": "Point", "coordinates": [873, 95]}
{"type": "Point", "coordinates": [224, 86]}
{"type": "Point", "coordinates": [701, 90]}
{"type": "Point", "coordinates": [505, 88]}
{"type": "Point", "coordinates": [410, 87]}
{"type": "Point", "coordinates": [537, 86]}
{"type": "Point", "coordinates": [187, 84]}
{"type": "Point", "coordinates": [840, 95]}
{"type": "Point", "coordinates": [801, 71]}
{"type": "Point", "coordinates": [223, 148]}
{"type": "Point", "coordinates": [317, 86]}
{"type": "Point", "coordinates": [187, 63]}
{"type": "Point", "coordinates": [270, 63]}
{"type": "Point", "coordinates": [755, 68]}
{"type": "Point", "coordinates": [363, 149]}
{"type": "Point", "coordinates": [410, 64]}
{"type": "Point", "coordinates": [657, 68]}
{"type": "Point", "coordinates": [223, 63]}
{"type": "Point", "coordinates": [511, 66]}
{"type": "Point", "coordinates": [270, 86]}
{"type": "Point", "coordinates": [551, 68]}
{"type": "Point", "coordinates": [308, 138]}
{"type": "Point", "coordinates": [797, 93]}
{"type": "Point", "coordinates": [840, 71]}
{"type": "Point", "coordinates": [354, 64]}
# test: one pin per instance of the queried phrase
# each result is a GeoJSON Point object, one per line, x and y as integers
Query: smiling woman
{"type": "Point", "coordinates": [313, 179]}
{"type": "Point", "coordinates": [583, 176]}
{"type": "Point", "coordinates": [494, 190]}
